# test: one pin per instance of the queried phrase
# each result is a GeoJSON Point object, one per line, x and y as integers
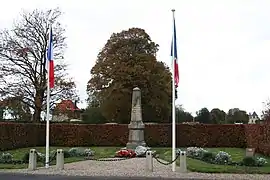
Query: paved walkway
{"type": "Point", "coordinates": [5, 176]}
{"type": "Point", "coordinates": [132, 168]}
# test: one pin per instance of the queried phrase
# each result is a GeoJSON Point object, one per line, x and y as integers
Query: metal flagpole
{"type": "Point", "coordinates": [48, 112]}
{"type": "Point", "coordinates": [173, 104]}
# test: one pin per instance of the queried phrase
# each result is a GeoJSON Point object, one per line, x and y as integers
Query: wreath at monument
{"type": "Point", "coordinates": [140, 151]}
{"type": "Point", "coordinates": [127, 153]}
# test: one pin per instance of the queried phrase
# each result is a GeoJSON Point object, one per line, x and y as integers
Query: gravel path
{"type": "Point", "coordinates": [132, 168]}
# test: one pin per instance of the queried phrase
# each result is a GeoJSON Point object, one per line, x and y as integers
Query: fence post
{"type": "Point", "coordinates": [60, 159]}
{"type": "Point", "coordinates": [183, 162]}
{"type": "Point", "coordinates": [32, 165]}
{"type": "Point", "coordinates": [149, 161]}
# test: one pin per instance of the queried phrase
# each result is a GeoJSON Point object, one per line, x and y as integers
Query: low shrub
{"type": "Point", "coordinates": [223, 158]}
{"type": "Point", "coordinates": [88, 152]}
{"type": "Point", "coordinates": [254, 161]}
{"type": "Point", "coordinates": [40, 157]}
{"type": "Point", "coordinates": [5, 157]}
{"type": "Point", "coordinates": [74, 152]}
{"type": "Point", "coordinates": [208, 157]}
{"type": "Point", "coordinates": [249, 161]}
{"type": "Point", "coordinates": [261, 161]}
{"type": "Point", "coordinates": [195, 152]}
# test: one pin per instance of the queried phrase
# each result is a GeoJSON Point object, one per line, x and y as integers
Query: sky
{"type": "Point", "coordinates": [223, 45]}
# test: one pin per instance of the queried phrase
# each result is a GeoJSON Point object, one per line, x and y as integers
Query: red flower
{"type": "Point", "coordinates": [126, 153]}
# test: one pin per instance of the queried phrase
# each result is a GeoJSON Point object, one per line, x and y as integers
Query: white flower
{"type": "Point", "coordinates": [222, 157]}
{"type": "Point", "coordinates": [88, 152]}
{"type": "Point", "coordinates": [261, 161]}
{"type": "Point", "coordinates": [6, 156]}
{"type": "Point", "coordinates": [195, 152]}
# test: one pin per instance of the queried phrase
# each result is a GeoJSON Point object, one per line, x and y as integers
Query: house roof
{"type": "Point", "coordinates": [67, 104]}
{"type": "Point", "coordinates": [253, 115]}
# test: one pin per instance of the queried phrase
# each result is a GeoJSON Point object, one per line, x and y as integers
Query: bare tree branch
{"type": "Point", "coordinates": [23, 60]}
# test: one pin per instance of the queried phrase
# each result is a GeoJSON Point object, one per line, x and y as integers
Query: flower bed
{"type": "Point", "coordinates": [223, 158]}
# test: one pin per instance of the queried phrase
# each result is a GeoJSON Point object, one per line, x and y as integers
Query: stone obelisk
{"type": "Point", "coordinates": [136, 126]}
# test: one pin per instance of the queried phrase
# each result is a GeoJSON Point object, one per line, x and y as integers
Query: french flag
{"type": "Point", "coordinates": [174, 55]}
{"type": "Point", "coordinates": [50, 64]}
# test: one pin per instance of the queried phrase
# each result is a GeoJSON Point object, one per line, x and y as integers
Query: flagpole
{"type": "Point", "coordinates": [47, 116]}
{"type": "Point", "coordinates": [173, 107]}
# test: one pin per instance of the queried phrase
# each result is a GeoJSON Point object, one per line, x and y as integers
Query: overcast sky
{"type": "Point", "coordinates": [223, 45]}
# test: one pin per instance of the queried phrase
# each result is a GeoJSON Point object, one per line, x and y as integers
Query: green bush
{"type": "Point", "coordinates": [5, 157]}
{"type": "Point", "coordinates": [254, 161]}
{"type": "Point", "coordinates": [40, 157]}
{"type": "Point", "coordinates": [92, 115]}
{"type": "Point", "coordinates": [249, 161]}
{"type": "Point", "coordinates": [75, 152]}
{"type": "Point", "coordinates": [66, 154]}
{"type": "Point", "coordinates": [208, 156]}
{"type": "Point", "coordinates": [260, 161]}
{"type": "Point", "coordinates": [223, 158]}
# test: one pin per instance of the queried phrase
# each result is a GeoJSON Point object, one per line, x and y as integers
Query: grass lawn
{"type": "Point", "coordinates": [100, 152]}
{"type": "Point", "coordinates": [237, 154]}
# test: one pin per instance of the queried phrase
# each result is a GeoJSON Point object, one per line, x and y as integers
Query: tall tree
{"type": "Point", "coordinates": [182, 116]}
{"type": "Point", "coordinates": [217, 116]}
{"type": "Point", "coordinates": [203, 116]}
{"type": "Point", "coordinates": [235, 115]}
{"type": "Point", "coordinates": [128, 60]}
{"type": "Point", "coordinates": [23, 59]}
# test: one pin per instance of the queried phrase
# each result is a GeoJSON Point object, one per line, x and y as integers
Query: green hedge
{"type": "Point", "coordinates": [16, 135]}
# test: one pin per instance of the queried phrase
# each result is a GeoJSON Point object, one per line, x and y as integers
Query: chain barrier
{"type": "Point", "coordinates": [166, 163]}
{"type": "Point", "coordinates": [127, 158]}
{"type": "Point", "coordinates": [51, 159]}
{"type": "Point", "coordinates": [108, 159]}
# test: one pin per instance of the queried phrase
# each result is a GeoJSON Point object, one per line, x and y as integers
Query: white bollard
{"type": "Point", "coordinates": [60, 159]}
{"type": "Point", "coordinates": [183, 162]}
{"type": "Point", "coordinates": [149, 161]}
{"type": "Point", "coordinates": [32, 165]}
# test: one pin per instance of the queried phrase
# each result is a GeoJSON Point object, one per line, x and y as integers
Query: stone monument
{"type": "Point", "coordinates": [136, 126]}
{"type": "Point", "coordinates": [250, 152]}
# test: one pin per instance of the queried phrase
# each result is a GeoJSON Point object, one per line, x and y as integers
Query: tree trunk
{"type": "Point", "coordinates": [38, 108]}
{"type": "Point", "coordinates": [37, 115]}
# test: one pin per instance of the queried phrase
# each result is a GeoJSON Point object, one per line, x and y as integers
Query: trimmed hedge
{"type": "Point", "coordinates": [202, 135]}
{"type": "Point", "coordinates": [258, 137]}
{"type": "Point", "coordinates": [16, 135]}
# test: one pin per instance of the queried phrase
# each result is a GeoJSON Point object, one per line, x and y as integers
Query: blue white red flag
{"type": "Point", "coordinates": [174, 55]}
{"type": "Point", "coordinates": [50, 64]}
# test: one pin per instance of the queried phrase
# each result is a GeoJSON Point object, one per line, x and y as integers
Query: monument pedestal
{"type": "Point", "coordinates": [136, 135]}
{"type": "Point", "coordinates": [136, 126]}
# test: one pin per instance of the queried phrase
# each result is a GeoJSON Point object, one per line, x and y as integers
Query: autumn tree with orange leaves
{"type": "Point", "coordinates": [129, 60]}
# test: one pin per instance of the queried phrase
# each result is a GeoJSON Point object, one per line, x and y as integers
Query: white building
{"type": "Point", "coordinates": [253, 118]}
